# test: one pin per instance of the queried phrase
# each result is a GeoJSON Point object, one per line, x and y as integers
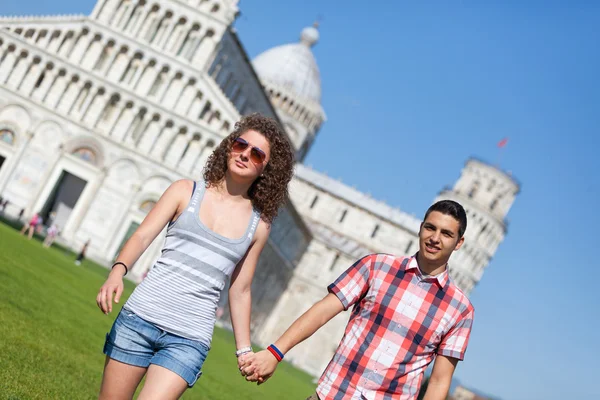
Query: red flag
{"type": "Point", "coordinates": [503, 142]}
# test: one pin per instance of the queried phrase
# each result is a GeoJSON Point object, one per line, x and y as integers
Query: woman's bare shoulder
{"type": "Point", "coordinates": [181, 190]}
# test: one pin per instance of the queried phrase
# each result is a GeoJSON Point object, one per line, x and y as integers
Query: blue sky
{"type": "Point", "coordinates": [412, 90]}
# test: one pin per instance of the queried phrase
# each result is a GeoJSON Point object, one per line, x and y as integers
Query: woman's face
{"type": "Point", "coordinates": [249, 155]}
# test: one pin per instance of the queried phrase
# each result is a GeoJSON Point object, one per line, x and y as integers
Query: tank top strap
{"type": "Point", "coordinates": [197, 193]}
{"type": "Point", "coordinates": [254, 220]}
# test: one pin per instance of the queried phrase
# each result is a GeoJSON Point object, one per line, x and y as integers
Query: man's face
{"type": "Point", "coordinates": [438, 237]}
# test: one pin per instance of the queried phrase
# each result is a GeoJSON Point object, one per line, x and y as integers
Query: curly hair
{"type": "Point", "coordinates": [269, 191]}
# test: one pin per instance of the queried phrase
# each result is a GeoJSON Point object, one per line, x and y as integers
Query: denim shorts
{"type": "Point", "coordinates": [137, 342]}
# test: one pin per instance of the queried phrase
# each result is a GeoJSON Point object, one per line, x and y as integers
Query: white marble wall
{"type": "Point", "coordinates": [319, 266]}
{"type": "Point", "coordinates": [340, 215]}
{"type": "Point", "coordinates": [235, 77]}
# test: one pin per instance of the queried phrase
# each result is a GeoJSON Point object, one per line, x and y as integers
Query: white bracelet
{"type": "Point", "coordinates": [243, 351]}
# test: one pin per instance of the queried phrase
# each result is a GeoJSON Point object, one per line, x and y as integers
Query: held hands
{"type": "Point", "coordinates": [241, 360]}
{"type": "Point", "coordinates": [258, 367]}
{"type": "Point", "coordinates": [114, 284]}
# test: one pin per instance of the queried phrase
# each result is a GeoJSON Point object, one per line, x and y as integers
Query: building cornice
{"type": "Point", "coordinates": [361, 200]}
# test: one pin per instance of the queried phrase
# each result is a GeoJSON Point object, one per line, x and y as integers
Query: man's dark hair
{"type": "Point", "coordinates": [452, 208]}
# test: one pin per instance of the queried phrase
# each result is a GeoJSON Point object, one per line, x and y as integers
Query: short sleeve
{"type": "Point", "coordinates": [454, 343]}
{"type": "Point", "coordinates": [353, 284]}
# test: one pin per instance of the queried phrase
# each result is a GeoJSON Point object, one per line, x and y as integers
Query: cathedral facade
{"type": "Point", "coordinates": [99, 114]}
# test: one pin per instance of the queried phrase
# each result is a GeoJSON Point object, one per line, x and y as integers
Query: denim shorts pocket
{"type": "Point", "coordinates": [127, 314]}
{"type": "Point", "coordinates": [128, 318]}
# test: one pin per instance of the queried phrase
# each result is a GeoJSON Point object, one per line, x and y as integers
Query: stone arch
{"type": "Point", "coordinates": [186, 45]}
{"type": "Point", "coordinates": [17, 116]}
{"type": "Point", "coordinates": [159, 30]}
{"type": "Point", "coordinates": [48, 135]}
{"type": "Point", "coordinates": [152, 187]}
{"type": "Point", "coordinates": [124, 171]}
{"type": "Point", "coordinates": [104, 56]}
{"type": "Point", "coordinates": [86, 142]}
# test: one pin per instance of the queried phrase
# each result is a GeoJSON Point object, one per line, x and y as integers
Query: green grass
{"type": "Point", "coordinates": [52, 333]}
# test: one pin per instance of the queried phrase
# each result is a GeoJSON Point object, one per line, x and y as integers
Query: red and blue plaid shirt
{"type": "Point", "coordinates": [400, 321]}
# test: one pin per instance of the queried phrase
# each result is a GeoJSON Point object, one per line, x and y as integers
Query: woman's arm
{"type": "Point", "coordinates": [169, 206]}
{"type": "Point", "coordinates": [240, 298]}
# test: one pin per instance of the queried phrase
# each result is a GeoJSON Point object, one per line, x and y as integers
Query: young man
{"type": "Point", "coordinates": [406, 314]}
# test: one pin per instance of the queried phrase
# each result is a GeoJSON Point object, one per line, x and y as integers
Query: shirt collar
{"type": "Point", "coordinates": [441, 279]}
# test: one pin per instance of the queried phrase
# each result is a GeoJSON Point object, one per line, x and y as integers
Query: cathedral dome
{"type": "Point", "coordinates": [292, 67]}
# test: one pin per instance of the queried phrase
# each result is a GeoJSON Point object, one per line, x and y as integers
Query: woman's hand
{"type": "Point", "coordinates": [259, 367]}
{"type": "Point", "coordinates": [242, 359]}
{"type": "Point", "coordinates": [113, 285]}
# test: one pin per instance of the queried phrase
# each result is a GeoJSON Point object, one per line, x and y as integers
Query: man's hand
{"type": "Point", "coordinates": [259, 367]}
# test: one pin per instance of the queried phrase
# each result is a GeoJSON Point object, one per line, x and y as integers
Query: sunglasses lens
{"type": "Point", "coordinates": [257, 156]}
{"type": "Point", "coordinates": [239, 145]}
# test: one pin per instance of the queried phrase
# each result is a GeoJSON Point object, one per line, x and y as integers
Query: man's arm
{"type": "Point", "coordinates": [263, 364]}
{"type": "Point", "coordinates": [441, 378]}
{"type": "Point", "coordinates": [347, 289]}
{"type": "Point", "coordinates": [309, 322]}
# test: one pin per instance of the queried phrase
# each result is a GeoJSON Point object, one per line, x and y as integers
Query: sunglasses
{"type": "Point", "coordinates": [257, 156]}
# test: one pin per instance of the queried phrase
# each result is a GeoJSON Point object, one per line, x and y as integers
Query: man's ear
{"type": "Point", "coordinates": [459, 243]}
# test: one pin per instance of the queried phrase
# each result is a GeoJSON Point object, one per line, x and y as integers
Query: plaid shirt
{"type": "Point", "coordinates": [399, 322]}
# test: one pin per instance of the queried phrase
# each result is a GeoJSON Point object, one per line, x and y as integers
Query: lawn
{"type": "Point", "coordinates": [52, 333]}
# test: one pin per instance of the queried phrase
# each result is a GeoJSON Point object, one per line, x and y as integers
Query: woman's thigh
{"type": "Point", "coordinates": [162, 384]}
{"type": "Point", "coordinates": [120, 380]}
{"type": "Point", "coordinates": [129, 347]}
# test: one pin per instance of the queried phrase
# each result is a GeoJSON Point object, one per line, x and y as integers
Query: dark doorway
{"type": "Point", "coordinates": [62, 199]}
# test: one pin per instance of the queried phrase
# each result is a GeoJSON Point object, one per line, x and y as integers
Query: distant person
{"type": "Point", "coordinates": [50, 235]}
{"type": "Point", "coordinates": [81, 254]}
{"type": "Point", "coordinates": [21, 213]}
{"type": "Point", "coordinates": [51, 218]}
{"type": "Point", "coordinates": [4, 205]}
{"type": "Point", "coordinates": [33, 224]}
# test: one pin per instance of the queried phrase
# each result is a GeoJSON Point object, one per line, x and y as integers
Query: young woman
{"type": "Point", "coordinates": [216, 229]}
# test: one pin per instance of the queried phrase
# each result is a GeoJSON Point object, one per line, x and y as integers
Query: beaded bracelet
{"type": "Point", "coordinates": [243, 351]}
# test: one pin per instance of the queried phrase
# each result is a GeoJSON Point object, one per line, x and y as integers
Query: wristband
{"type": "Point", "coordinates": [276, 352]}
{"type": "Point", "coordinates": [120, 263]}
{"type": "Point", "coordinates": [243, 351]}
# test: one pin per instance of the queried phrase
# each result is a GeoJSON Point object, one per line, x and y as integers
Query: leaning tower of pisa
{"type": "Point", "coordinates": [487, 193]}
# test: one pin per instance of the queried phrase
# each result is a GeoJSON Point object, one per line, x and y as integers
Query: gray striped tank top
{"type": "Point", "coordinates": [181, 291]}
